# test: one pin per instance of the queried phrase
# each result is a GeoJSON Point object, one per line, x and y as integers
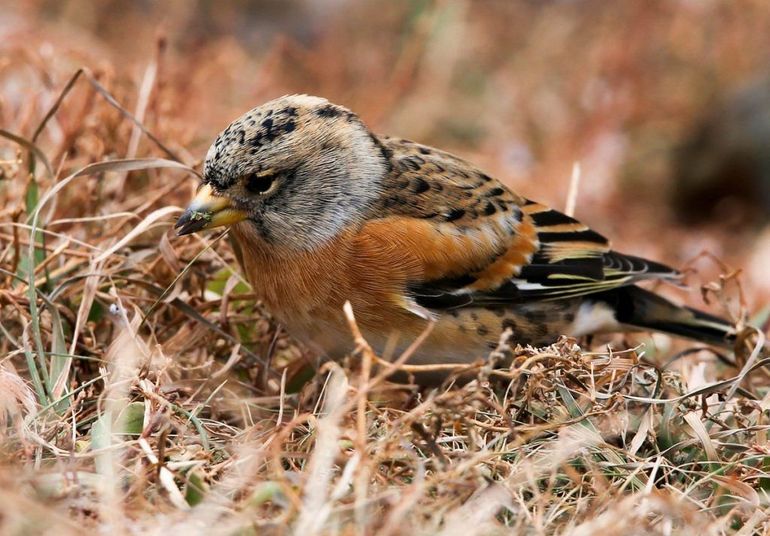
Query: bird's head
{"type": "Point", "coordinates": [298, 169]}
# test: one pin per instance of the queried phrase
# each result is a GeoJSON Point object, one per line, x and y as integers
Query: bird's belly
{"type": "Point", "coordinates": [467, 334]}
{"type": "Point", "coordinates": [326, 337]}
{"type": "Point", "coordinates": [458, 336]}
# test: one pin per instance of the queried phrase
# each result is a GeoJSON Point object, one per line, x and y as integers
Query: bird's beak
{"type": "Point", "coordinates": [208, 210]}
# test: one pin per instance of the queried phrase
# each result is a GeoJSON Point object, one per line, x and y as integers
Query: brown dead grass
{"type": "Point", "coordinates": [144, 391]}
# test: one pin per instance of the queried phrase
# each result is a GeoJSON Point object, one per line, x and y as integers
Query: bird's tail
{"type": "Point", "coordinates": [642, 309]}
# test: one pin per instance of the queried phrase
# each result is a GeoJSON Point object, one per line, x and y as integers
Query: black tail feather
{"type": "Point", "coordinates": [643, 309]}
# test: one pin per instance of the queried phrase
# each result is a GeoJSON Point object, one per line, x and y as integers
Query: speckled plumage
{"type": "Point", "coordinates": [323, 211]}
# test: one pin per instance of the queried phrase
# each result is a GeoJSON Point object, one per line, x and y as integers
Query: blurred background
{"type": "Point", "coordinates": [665, 104]}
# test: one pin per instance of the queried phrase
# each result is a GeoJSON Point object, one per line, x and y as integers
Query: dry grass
{"type": "Point", "coordinates": [144, 391]}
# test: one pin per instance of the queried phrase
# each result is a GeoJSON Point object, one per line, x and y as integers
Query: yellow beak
{"type": "Point", "coordinates": [206, 211]}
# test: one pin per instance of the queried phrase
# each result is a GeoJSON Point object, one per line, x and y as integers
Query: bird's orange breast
{"type": "Point", "coordinates": [310, 287]}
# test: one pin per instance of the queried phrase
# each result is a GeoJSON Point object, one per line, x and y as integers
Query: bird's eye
{"type": "Point", "coordinates": [259, 184]}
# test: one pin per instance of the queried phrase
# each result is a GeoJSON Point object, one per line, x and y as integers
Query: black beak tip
{"type": "Point", "coordinates": [188, 223]}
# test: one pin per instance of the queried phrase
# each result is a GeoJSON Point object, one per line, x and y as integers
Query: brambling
{"type": "Point", "coordinates": [323, 211]}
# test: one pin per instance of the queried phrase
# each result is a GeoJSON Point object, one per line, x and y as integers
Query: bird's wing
{"type": "Point", "coordinates": [478, 243]}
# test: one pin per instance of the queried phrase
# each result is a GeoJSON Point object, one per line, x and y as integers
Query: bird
{"type": "Point", "coordinates": [322, 211]}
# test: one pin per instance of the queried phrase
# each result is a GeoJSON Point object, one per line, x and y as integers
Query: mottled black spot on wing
{"type": "Point", "coordinates": [420, 185]}
{"type": "Point", "coordinates": [542, 273]}
{"type": "Point", "coordinates": [551, 217]}
{"type": "Point", "coordinates": [572, 236]}
{"type": "Point", "coordinates": [629, 264]}
{"type": "Point", "coordinates": [455, 214]}
{"type": "Point", "coordinates": [439, 294]}
{"type": "Point", "coordinates": [413, 163]}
